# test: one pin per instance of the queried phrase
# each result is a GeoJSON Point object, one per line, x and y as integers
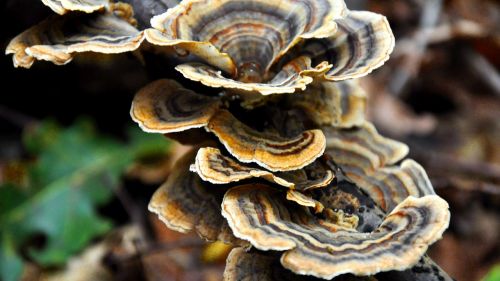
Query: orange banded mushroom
{"type": "Point", "coordinates": [214, 167]}
{"type": "Point", "coordinates": [270, 151]}
{"type": "Point", "coordinates": [341, 104]}
{"type": "Point", "coordinates": [318, 247]}
{"type": "Point", "coordinates": [296, 74]}
{"type": "Point", "coordinates": [304, 200]}
{"type": "Point", "coordinates": [184, 203]}
{"type": "Point", "coordinates": [164, 106]}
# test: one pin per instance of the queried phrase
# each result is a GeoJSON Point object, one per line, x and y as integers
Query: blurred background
{"type": "Point", "coordinates": [76, 174]}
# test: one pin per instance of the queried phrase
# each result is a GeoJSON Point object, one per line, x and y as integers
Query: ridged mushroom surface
{"type": "Point", "coordinates": [318, 247]}
{"type": "Point", "coordinates": [164, 106]}
{"type": "Point", "coordinates": [246, 44]}
{"type": "Point", "coordinates": [185, 203]}
{"type": "Point", "coordinates": [217, 168]}
{"type": "Point", "coordinates": [63, 6]}
{"type": "Point", "coordinates": [271, 151]}
{"type": "Point", "coordinates": [337, 104]}
{"type": "Point", "coordinates": [59, 38]}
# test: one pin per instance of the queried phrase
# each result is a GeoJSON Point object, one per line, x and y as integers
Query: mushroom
{"type": "Point", "coordinates": [304, 200]}
{"type": "Point", "coordinates": [164, 106]}
{"type": "Point", "coordinates": [296, 74]}
{"type": "Point", "coordinates": [58, 39]}
{"type": "Point", "coordinates": [214, 167]}
{"type": "Point", "coordinates": [363, 155]}
{"type": "Point", "coordinates": [341, 104]}
{"type": "Point", "coordinates": [318, 247]}
{"type": "Point", "coordinates": [184, 203]}
{"type": "Point", "coordinates": [63, 6]}
{"type": "Point", "coordinates": [362, 43]}
{"type": "Point", "coordinates": [270, 151]}
{"type": "Point", "coordinates": [249, 40]}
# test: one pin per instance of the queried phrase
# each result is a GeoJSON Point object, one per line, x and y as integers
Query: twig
{"type": "Point", "coordinates": [133, 210]}
{"type": "Point", "coordinates": [486, 71]}
{"type": "Point", "coordinates": [156, 247]}
{"type": "Point", "coordinates": [428, 19]}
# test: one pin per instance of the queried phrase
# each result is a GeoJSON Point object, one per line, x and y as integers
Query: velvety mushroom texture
{"type": "Point", "coordinates": [262, 266]}
{"type": "Point", "coordinates": [164, 106]}
{"type": "Point", "coordinates": [59, 38]}
{"type": "Point", "coordinates": [318, 247]}
{"type": "Point", "coordinates": [341, 104]}
{"type": "Point", "coordinates": [363, 155]}
{"type": "Point", "coordinates": [362, 43]}
{"type": "Point", "coordinates": [270, 151]}
{"type": "Point", "coordinates": [241, 37]}
{"type": "Point", "coordinates": [245, 39]}
{"type": "Point", "coordinates": [296, 74]}
{"type": "Point", "coordinates": [63, 6]}
{"type": "Point", "coordinates": [184, 203]}
{"type": "Point", "coordinates": [212, 166]}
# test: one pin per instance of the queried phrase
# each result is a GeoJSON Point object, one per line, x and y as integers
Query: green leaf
{"type": "Point", "coordinates": [11, 265]}
{"type": "Point", "coordinates": [75, 171]}
{"type": "Point", "coordinates": [494, 274]}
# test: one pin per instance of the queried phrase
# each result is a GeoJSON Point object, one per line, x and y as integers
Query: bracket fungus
{"type": "Point", "coordinates": [212, 166]}
{"type": "Point", "coordinates": [164, 106]}
{"type": "Point", "coordinates": [247, 39]}
{"type": "Point", "coordinates": [184, 203]}
{"type": "Point", "coordinates": [323, 249]}
{"type": "Point", "coordinates": [63, 6]}
{"type": "Point", "coordinates": [59, 38]}
{"type": "Point", "coordinates": [302, 180]}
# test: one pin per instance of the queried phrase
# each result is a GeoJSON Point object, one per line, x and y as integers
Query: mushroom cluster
{"type": "Point", "coordinates": [284, 165]}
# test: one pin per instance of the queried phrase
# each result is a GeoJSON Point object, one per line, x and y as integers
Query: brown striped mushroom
{"type": "Point", "coordinates": [325, 249]}
{"type": "Point", "coordinates": [184, 203]}
{"type": "Point", "coordinates": [271, 151]}
{"type": "Point", "coordinates": [302, 174]}
{"type": "Point", "coordinates": [250, 42]}
{"type": "Point", "coordinates": [363, 155]}
{"type": "Point", "coordinates": [164, 106]}
{"type": "Point", "coordinates": [340, 104]}
{"type": "Point", "coordinates": [59, 38]}
{"type": "Point", "coordinates": [214, 167]}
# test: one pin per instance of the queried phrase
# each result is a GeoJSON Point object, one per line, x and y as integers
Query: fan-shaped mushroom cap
{"type": "Point", "coordinates": [362, 43]}
{"type": "Point", "coordinates": [363, 154]}
{"type": "Point", "coordinates": [337, 104]}
{"type": "Point", "coordinates": [63, 6]}
{"type": "Point", "coordinates": [363, 145]}
{"type": "Point", "coordinates": [164, 106]}
{"type": "Point", "coordinates": [297, 74]}
{"type": "Point", "coordinates": [216, 168]}
{"type": "Point", "coordinates": [212, 166]}
{"type": "Point", "coordinates": [264, 266]}
{"type": "Point", "coordinates": [323, 249]}
{"type": "Point", "coordinates": [236, 34]}
{"type": "Point", "coordinates": [184, 203]}
{"type": "Point", "coordinates": [58, 39]}
{"type": "Point", "coordinates": [270, 151]}
{"type": "Point", "coordinates": [304, 200]}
